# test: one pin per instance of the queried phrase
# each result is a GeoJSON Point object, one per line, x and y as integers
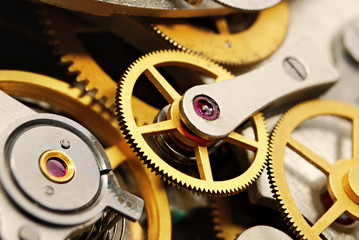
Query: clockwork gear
{"type": "Point", "coordinates": [341, 175]}
{"type": "Point", "coordinates": [226, 41]}
{"type": "Point", "coordinates": [169, 133]}
{"type": "Point", "coordinates": [73, 102]}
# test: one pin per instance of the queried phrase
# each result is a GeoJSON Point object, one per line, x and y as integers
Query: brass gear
{"type": "Point", "coordinates": [103, 124]}
{"type": "Point", "coordinates": [64, 30]}
{"type": "Point", "coordinates": [342, 182]}
{"type": "Point", "coordinates": [135, 133]}
{"type": "Point", "coordinates": [252, 45]}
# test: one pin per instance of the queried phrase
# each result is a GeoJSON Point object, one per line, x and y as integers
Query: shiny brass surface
{"type": "Point", "coordinates": [135, 133]}
{"type": "Point", "coordinates": [341, 176]}
{"type": "Point", "coordinates": [73, 102]}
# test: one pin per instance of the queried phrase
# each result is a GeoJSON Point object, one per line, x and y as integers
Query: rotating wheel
{"type": "Point", "coordinates": [238, 39]}
{"type": "Point", "coordinates": [342, 176]}
{"type": "Point", "coordinates": [81, 107]}
{"type": "Point", "coordinates": [171, 133]}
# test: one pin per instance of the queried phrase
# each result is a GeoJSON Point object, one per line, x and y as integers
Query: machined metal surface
{"type": "Point", "coordinates": [254, 5]}
{"type": "Point", "coordinates": [263, 232]}
{"type": "Point", "coordinates": [72, 102]}
{"type": "Point", "coordinates": [203, 181]}
{"type": "Point", "coordinates": [241, 97]}
{"type": "Point", "coordinates": [351, 38]}
{"type": "Point", "coordinates": [58, 204]}
{"type": "Point", "coordinates": [163, 8]}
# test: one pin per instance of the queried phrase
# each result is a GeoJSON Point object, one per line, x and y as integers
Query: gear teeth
{"type": "Point", "coordinates": [171, 180]}
{"type": "Point", "coordinates": [271, 176]}
{"type": "Point", "coordinates": [95, 82]}
{"type": "Point", "coordinates": [243, 58]}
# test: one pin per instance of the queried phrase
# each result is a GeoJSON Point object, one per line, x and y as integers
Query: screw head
{"type": "Point", "coordinates": [65, 144]}
{"type": "Point", "coordinates": [206, 107]}
{"type": "Point", "coordinates": [49, 190]}
{"type": "Point", "coordinates": [295, 68]}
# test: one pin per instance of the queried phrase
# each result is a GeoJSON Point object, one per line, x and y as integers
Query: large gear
{"type": "Point", "coordinates": [135, 134]}
{"type": "Point", "coordinates": [341, 175]}
{"type": "Point", "coordinates": [224, 45]}
{"type": "Point", "coordinates": [73, 102]}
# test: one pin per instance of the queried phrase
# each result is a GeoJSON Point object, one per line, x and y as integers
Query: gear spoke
{"type": "Point", "coordinates": [355, 136]}
{"type": "Point", "coordinates": [222, 25]}
{"type": "Point", "coordinates": [328, 218]}
{"type": "Point", "coordinates": [309, 155]}
{"type": "Point", "coordinates": [203, 163]}
{"type": "Point", "coordinates": [167, 91]}
{"type": "Point", "coordinates": [241, 141]}
{"type": "Point", "coordinates": [157, 128]}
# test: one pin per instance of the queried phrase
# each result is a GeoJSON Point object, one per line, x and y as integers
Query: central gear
{"type": "Point", "coordinates": [224, 44]}
{"type": "Point", "coordinates": [342, 176]}
{"type": "Point", "coordinates": [203, 182]}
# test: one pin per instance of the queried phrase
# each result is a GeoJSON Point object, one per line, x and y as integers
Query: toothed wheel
{"type": "Point", "coordinates": [78, 105]}
{"type": "Point", "coordinates": [238, 39]}
{"type": "Point", "coordinates": [165, 144]}
{"type": "Point", "coordinates": [342, 175]}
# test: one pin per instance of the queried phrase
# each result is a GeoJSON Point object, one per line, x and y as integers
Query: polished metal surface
{"type": "Point", "coordinates": [163, 8]}
{"type": "Point", "coordinates": [239, 98]}
{"type": "Point", "coordinates": [250, 5]}
{"type": "Point", "coordinates": [263, 232]}
{"type": "Point", "coordinates": [29, 199]}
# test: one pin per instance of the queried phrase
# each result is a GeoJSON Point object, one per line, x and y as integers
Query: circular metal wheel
{"type": "Point", "coordinates": [139, 136]}
{"type": "Point", "coordinates": [342, 175]}
{"type": "Point", "coordinates": [224, 40]}
{"type": "Point", "coordinates": [81, 107]}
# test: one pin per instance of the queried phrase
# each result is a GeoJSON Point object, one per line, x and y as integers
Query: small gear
{"type": "Point", "coordinates": [73, 102]}
{"type": "Point", "coordinates": [342, 175]}
{"type": "Point", "coordinates": [202, 180]}
{"type": "Point", "coordinates": [226, 41]}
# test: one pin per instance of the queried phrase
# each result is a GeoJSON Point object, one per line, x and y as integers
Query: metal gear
{"type": "Point", "coordinates": [223, 45]}
{"type": "Point", "coordinates": [342, 176]}
{"type": "Point", "coordinates": [64, 31]}
{"type": "Point", "coordinates": [135, 134]}
{"type": "Point", "coordinates": [73, 102]}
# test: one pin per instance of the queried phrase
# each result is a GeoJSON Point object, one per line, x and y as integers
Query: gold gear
{"type": "Point", "coordinates": [342, 176]}
{"type": "Point", "coordinates": [103, 124]}
{"type": "Point", "coordinates": [135, 133]}
{"type": "Point", "coordinates": [64, 31]}
{"type": "Point", "coordinates": [252, 45]}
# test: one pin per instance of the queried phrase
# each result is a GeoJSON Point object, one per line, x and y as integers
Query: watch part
{"type": "Point", "coordinates": [26, 183]}
{"type": "Point", "coordinates": [251, 5]}
{"type": "Point", "coordinates": [299, 74]}
{"type": "Point", "coordinates": [64, 31]}
{"type": "Point", "coordinates": [143, 8]}
{"type": "Point", "coordinates": [263, 232]}
{"type": "Point", "coordinates": [140, 137]}
{"type": "Point", "coordinates": [319, 169]}
{"type": "Point", "coordinates": [236, 39]}
{"type": "Point", "coordinates": [102, 122]}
